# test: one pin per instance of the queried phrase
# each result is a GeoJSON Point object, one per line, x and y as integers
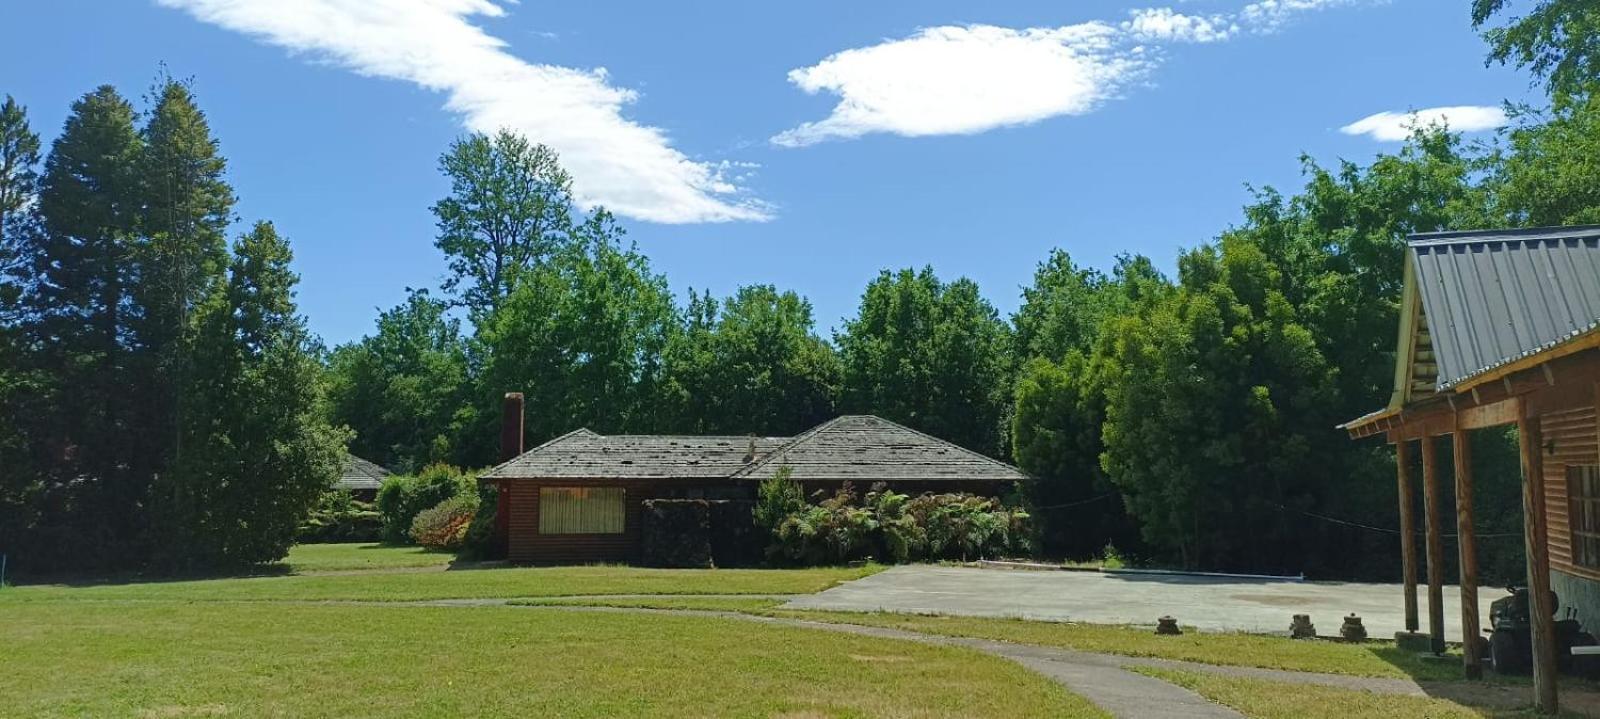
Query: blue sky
{"type": "Point", "coordinates": [808, 145]}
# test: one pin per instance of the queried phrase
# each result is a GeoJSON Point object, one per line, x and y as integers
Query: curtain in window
{"type": "Point", "coordinates": [581, 510]}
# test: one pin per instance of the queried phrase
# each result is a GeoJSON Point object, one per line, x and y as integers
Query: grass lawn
{"type": "Point", "coordinates": [462, 584]}
{"type": "Point", "coordinates": [252, 659]}
{"type": "Point", "coordinates": [1262, 699]}
{"type": "Point", "coordinates": [749, 605]}
{"type": "Point", "coordinates": [1370, 659]}
{"type": "Point", "coordinates": [360, 556]}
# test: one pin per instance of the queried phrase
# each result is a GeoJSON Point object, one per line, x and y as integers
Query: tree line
{"type": "Point", "coordinates": [165, 405]}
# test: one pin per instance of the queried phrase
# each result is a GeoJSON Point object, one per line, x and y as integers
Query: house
{"type": "Point", "coordinates": [361, 478]}
{"type": "Point", "coordinates": [578, 498]}
{"type": "Point", "coordinates": [1498, 328]}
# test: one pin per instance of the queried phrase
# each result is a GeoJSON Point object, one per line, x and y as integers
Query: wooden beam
{"type": "Point", "coordinates": [1487, 415]}
{"type": "Point", "coordinates": [1408, 534]}
{"type": "Point", "coordinates": [1471, 658]}
{"type": "Point", "coordinates": [1435, 544]}
{"type": "Point", "coordinates": [1536, 540]}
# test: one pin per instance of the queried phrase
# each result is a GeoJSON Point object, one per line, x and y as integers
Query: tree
{"type": "Point", "coordinates": [582, 336]}
{"type": "Point", "coordinates": [260, 451]}
{"type": "Point", "coordinates": [1547, 174]}
{"type": "Point", "coordinates": [19, 176]}
{"type": "Point", "coordinates": [930, 355]}
{"type": "Point", "coordinates": [750, 364]}
{"type": "Point", "coordinates": [78, 307]}
{"type": "Point", "coordinates": [400, 388]}
{"type": "Point", "coordinates": [1062, 309]}
{"type": "Point", "coordinates": [1218, 413]}
{"type": "Point", "coordinates": [20, 485]}
{"type": "Point", "coordinates": [509, 209]}
{"type": "Point", "coordinates": [1559, 40]}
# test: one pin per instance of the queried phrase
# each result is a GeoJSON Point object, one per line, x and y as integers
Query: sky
{"type": "Point", "coordinates": [806, 145]}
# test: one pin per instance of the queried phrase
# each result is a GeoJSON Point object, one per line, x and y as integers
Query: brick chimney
{"type": "Point", "coordinates": [511, 426]}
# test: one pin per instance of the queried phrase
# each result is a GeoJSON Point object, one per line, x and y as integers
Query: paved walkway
{"type": "Point", "coordinates": [1211, 604]}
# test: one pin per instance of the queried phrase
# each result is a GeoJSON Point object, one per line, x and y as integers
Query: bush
{"type": "Point", "coordinates": [777, 498]}
{"type": "Point", "coordinates": [403, 497]}
{"type": "Point", "coordinates": [894, 527]}
{"type": "Point", "coordinates": [481, 541]}
{"type": "Point", "coordinates": [338, 517]}
{"type": "Point", "coordinates": [735, 541]}
{"type": "Point", "coordinates": [676, 533]}
{"type": "Point", "coordinates": [444, 526]}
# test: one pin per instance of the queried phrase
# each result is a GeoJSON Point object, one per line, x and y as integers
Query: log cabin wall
{"type": "Point", "coordinates": [1570, 439]}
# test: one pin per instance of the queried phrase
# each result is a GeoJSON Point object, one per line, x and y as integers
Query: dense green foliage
{"type": "Point", "coordinates": [403, 496]}
{"type": "Point", "coordinates": [885, 525]}
{"type": "Point", "coordinates": [445, 525]}
{"type": "Point", "coordinates": [1559, 40]}
{"type": "Point", "coordinates": [162, 400]}
{"type": "Point", "coordinates": [339, 517]}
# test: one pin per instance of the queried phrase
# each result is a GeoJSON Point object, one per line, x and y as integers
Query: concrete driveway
{"type": "Point", "coordinates": [1208, 603]}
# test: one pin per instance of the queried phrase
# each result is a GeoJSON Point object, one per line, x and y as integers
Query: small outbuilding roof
{"type": "Point", "coordinates": [360, 474]}
{"type": "Point", "coordinates": [864, 448]}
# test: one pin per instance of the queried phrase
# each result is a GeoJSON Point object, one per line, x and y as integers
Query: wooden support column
{"type": "Point", "coordinates": [1530, 441]}
{"type": "Point", "coordinates": [1471, 658]}
{"type": "Point", "coordinates": [1408, 533]}
{"type": "Point", "coordinates": [1435, 543]}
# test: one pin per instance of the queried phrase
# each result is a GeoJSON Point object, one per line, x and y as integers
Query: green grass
{"type": "Point", "coordinates": [749, 605]}
{"type": "Point", "coordinates": [361, 556]}
{"type": "Point", "coordinates": [462, 584]}
{"type": "Point", "coordinates": [1264, 699]}
{"type": "Point", "coordinates": [1370, 659]}
{"type": "Point", "coordinates": [169, 659]}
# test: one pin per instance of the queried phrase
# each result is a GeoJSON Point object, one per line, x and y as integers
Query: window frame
{"type": "Point", "coordinates": [1583, 514]}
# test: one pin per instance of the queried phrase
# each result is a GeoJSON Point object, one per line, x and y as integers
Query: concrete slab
{"type": "Point", "coordinates": [1211, 604]}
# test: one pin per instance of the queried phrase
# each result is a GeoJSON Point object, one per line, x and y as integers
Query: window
{"type": "Point", "coordinates": [1583, 496]}
{"type": "Point", "coordinates": [581, 510]}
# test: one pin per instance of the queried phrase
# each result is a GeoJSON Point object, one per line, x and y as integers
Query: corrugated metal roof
{"type": "Point", "coordinates": [1496, 296]}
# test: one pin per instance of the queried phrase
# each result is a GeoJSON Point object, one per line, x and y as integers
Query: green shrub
{"type": "Point", "coordinates": [481, 541]}
{"type": "Point", "coordinates": [338, 517]}
{"type": "Point", "coordinates": [777, 498]}
{"type": "Point", "coordinates": [676, 533]}
{"type": "Point", "coordinates": [444, 526]}
{"type": "Point", "coordinates": [894, 527]}
{"type": "Point", "coordinates": [403, 497]}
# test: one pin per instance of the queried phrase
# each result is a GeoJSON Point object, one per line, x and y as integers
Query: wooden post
{"type": "Point", "coordinates": [1435, 543]}
{"type": "Point", "coordinates": [1530, 440]}
{"type": "Point", "coordinates": [1408, 533]}
{"type": "Point", "coordinates": [1471, 658]}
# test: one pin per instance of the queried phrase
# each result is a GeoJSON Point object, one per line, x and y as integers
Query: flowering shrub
{"type": "Point", "coordinates": [444, 526]}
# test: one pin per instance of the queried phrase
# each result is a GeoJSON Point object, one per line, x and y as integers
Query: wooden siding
{"type": "Point", "coordinates": [1570, 439]}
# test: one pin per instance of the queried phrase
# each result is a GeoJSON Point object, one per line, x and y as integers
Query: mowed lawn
{"type": "Point", "coordinates": [175, 659]}
{"type": "Point", "coordinates": [348, 557]}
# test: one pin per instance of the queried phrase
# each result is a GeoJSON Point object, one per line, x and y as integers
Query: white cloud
{"type": "Point", "coordinates": [1166, 25]}
{"type": "Point", "coordinates": [1396, 126]}
{"type": "Point", "coordinates": [955, 80]}
{"type": "Point", "coordinates": [968, 79]}
{"type": "Point", "coordinates": [630, 168]}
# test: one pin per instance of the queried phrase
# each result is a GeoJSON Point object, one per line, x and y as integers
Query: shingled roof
{"type": "Point", "coordinates": [860, 448]}
{"type": "Point", "coordinates": [583, 454]}
{"type": "Point", "coordinates": [360, 474]}
{"type": "Point", "coordinates": [864, 448]}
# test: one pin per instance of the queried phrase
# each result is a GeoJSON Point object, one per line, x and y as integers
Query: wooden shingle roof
{"type": "Point", "coordinates": [864, 448]}
{"type": "Point", "coordinates": [860, 448]}
{"type": "Point", "coordinates": [360, 474]}
{"type": "Point", "coordinates": [585, 455]}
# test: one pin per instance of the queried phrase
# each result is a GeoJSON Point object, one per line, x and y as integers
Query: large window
{"type": "Point", "coordinates": [1583, 496]}
{"type": "Point", "coordinates": [581, 510]}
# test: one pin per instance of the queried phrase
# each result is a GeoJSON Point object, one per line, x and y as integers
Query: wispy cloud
{"type": "Point", "coordinates": [968, 79]}
{"type": "Point", "coordinates": [631, 168]}
{"type": "Point", "coordinates": [1390, 126]}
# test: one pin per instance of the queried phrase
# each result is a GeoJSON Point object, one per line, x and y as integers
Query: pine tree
{"type": "Point", "coordinates": [19, 483]}
{"type": "Point", "coordinates": [78, 308]}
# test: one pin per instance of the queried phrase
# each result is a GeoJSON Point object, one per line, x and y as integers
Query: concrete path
{"type": "Point", "coordinates": [1211, 604]}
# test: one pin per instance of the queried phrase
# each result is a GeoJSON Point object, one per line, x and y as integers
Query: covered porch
{"type": "Point", "coordinates": [1499, 328]}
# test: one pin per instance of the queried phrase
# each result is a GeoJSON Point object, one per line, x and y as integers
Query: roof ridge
{"type": "Point", "coordinates": [547, 443]}
{"type": "Point", "coordinates": [1550, 232]}
{"type": "Point", "coordinates": [780, 449]}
